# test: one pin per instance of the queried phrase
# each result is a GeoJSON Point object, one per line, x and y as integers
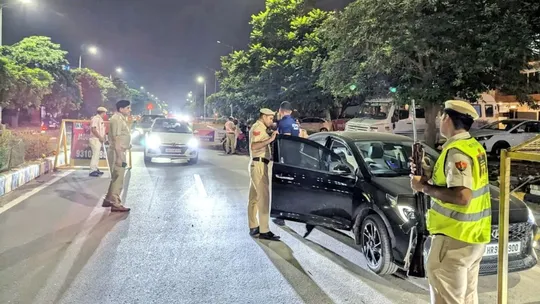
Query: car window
{"type": "Point", "coordinates": [478, 109]}
{"type": "Point", "coordinates": [344, 152]}
{"type": "Point", "coordinates": [390, 158]}
{"type": "Point", "coordinates": [420, 113]}
{"type": "Point", "coordinates": [490, 111]}
{"type": "Point", "coordinates": [503, 125]}
{"type": "Point", "coordinates": [530, 127]}
{"type": "Point", "coordinates": [321, 140]}
{"type": "Point", "coordinates": [304, 155]}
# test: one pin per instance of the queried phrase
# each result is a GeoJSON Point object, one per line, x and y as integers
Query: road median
{"type": "Point", "coordinates": [18, 176]}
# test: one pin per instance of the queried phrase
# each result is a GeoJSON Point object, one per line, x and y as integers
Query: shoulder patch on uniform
{"type": "Point", "coordinates": [256, 133]}
{"type": "Point", "coordinates": [461, 165]}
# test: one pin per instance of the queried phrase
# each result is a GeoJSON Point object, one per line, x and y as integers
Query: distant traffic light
{"type": "Point", "coordinates": [150, 106]}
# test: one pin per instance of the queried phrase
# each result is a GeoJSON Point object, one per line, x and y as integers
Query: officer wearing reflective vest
{"type": "Point", "coordinates": [459, 220]}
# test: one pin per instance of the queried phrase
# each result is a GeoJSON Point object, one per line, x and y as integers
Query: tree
{"type": "Point", "coordinates": [94, 88]}
{"type": "Point", "coordinates": [119, 90]}
{"type": "Point", "coordinates": [25, 87]}
{"type": "Point", "coordinates": [279, 64]}
{"type": "Point", "coordinates": [138, 101]}
{"type": "Point", "coordinates": [431, 51]}
{"type": "Point", "coordinates": [41, 52]}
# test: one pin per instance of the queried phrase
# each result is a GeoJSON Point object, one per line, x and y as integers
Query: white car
{"type": "Point", "coordinates": [506, 133]}
{"type": "Point", "coordinates": [171, 141]}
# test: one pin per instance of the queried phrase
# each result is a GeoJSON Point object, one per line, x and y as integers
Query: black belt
{"type": "Point", "coordinates": [261, 159]}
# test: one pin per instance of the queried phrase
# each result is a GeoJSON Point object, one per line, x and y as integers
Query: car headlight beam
{"type": "Point", "coordinates": [193, 143]}
{"type": "Point", "coordinates": [153, 142]}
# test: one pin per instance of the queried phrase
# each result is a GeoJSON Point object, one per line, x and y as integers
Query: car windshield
{"type": "Point", "coordinates": [170, 126]}
{"type": "Point", "coordinates": [390, 158]}
{"type": "Point", "coordinates": [503, 125]}
{"type": "Point", "coordinates": [147, 120]}
{"type": "Point", "coordinates": [374, 110]}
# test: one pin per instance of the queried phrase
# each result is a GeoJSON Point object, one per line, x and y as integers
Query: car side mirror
{"type": "Point", "coordinates": [342, 169]}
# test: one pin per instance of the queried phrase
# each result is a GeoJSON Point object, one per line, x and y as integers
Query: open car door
{"type": "Point", "coordinates": [311, 184]}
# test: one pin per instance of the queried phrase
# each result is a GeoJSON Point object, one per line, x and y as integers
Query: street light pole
{"type": "Point", "coordinates": [204, 102]}
{"type": "Point", "coordinates": [1, 22]}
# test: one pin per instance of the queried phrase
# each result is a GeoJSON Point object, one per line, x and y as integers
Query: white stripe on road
{"type": "Point", "coordinates": [200, 186]}
{"type": "Point", "coordinates": [34, 191]}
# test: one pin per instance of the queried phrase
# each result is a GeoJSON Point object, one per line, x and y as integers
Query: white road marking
{"type": "Point", "coordinates": [199, 185]}
{"type": "Point", "coordinates": [23, 197]}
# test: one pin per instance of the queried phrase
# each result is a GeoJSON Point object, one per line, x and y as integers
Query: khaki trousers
{"type": "Point", "coordinates": [117, 184]}
{"type": "Point", "coordinates": [111, 157]}
{"type": "Point", "coordinates": [230, 143]}
{"type": "Point", "coordinates": [259, 197]}
{"type": "Point", "coordinates": [452, 269]}
{"type": "Point", "coordinates": [95, 145]}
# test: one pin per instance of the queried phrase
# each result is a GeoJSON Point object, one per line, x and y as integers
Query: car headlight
{"type": "Point", "coordinates": [531, 218]}
{"type": "Point", "coordinates": [193, 143]}
{"type": "Point", "coordinates": [153, 142]}
{"type": "Point", "coordinates": [483, 138]}
{"type": "Point", "coordinates": [405, 212]}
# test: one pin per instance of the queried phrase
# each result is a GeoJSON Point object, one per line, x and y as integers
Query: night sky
{"type": "Point", "coordinates": [162, 45]}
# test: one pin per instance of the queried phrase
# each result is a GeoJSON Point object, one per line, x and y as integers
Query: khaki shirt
{"type": "Point", "coordinates": [97, 122]}
{"type": "Point", "coordinates": [258, 134]}
{"type": "Point", "coordinates": [455, 177]}
{"type": "Point", "coordinates": [119, 133]}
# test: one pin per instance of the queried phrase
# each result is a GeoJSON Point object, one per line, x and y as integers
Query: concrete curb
{"type": "Point", "coordinates": [17, 177]}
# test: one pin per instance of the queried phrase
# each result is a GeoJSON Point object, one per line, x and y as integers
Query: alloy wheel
{"type": "Point", "coordinates": [372, 245]}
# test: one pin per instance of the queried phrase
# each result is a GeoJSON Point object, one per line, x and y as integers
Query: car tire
{"type": "Point", "coordinates": [498, 146]}
{"type": "Point", "coordinates": [323, 130]}
{"type": "Point", "coordinates": [378, 257]}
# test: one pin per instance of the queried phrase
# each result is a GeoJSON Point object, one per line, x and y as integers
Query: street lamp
{"type": "Point", "coordinates": [25, 2]}
{"type": "Point", "coordinates": [201, 79]}
{"type": "Point", "coordinates": [92, 50]}
{"type": "Point", "coordinates": [232, 48]}
{"type": "Point", "coordinates": [142, 88]}
{"type": "Point", "coordinates": [119, 70]}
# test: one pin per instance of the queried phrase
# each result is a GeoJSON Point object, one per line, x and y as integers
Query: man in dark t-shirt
{"type": "Point", "coordinates": [287, 125]}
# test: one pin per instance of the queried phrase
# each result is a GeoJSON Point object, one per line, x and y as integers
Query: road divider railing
{"type": "Point", "coordinates": [74, 146]}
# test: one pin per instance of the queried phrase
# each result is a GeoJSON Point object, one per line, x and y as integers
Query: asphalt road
{"type": "Point", "coordinates": [185, 241]}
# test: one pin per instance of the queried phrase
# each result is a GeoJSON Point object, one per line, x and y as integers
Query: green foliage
{"type": "Point", "coordinates": [94, 88]}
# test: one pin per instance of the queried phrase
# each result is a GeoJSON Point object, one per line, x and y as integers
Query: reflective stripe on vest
{"type": "Point", "coordinates": [471, 223]}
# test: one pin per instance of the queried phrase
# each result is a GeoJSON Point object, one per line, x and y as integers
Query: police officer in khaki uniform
{"type": "Point", "coordinates": [119, 143]}
{"type": "Point", "coordinates": [259, 192]}
{"type": "Point", "coordinates": [459, 219]}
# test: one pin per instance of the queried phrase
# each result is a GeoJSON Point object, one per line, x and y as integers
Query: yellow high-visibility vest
{"type": "Point", "coordinates": [471, 223]}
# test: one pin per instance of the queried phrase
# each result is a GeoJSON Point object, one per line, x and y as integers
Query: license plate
{"type": "Point", "coordinates": [493, 249]}
{"type": "Point", "coordinates": [173, 150]}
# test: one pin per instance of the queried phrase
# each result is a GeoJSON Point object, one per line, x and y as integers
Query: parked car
{"type": "Point", "coordinates": [316, 124]}
{"type": "Point", "coordinates": [171, 141]}
{"type": "Point", "coordinates": [352, 181]}
{"type": "Point", "coordinates": [506, 133]}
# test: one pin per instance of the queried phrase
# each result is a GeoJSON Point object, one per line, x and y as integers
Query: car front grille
{"type": "Point", "coordinates": [517, 232]}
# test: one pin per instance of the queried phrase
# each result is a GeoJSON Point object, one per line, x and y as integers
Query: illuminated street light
{"type": "Point", "coordinates": [142, 88]}
{"type": "Point", "coordinates": [91, 49]}
{"type": "Point", "coordinates": [119, 70]}
{"type": "Point", "coordinates": [200, 79]}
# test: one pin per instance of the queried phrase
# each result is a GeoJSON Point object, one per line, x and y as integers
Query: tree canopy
{"type": "Point", "coordinates": [429, 51]}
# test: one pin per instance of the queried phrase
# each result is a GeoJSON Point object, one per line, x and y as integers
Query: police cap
{"type": "Point", "coordinates": [266, 111]}
{"type": "Point", "coordinates": [101, 109]}
{"type": "Point", "coordinates": [462, 107]}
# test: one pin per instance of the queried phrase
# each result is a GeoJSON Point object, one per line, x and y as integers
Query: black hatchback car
{"type": "Point", "coordinates": [351, 181]}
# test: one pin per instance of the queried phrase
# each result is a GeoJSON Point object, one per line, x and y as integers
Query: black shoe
{"type": "Point", "coordinates": [94, 174]}
{"type": "Point", "coordinates": [100, 172]}
{"type": "Point", "coordinates": [268, 236]}
{"type": "Point", "coordinates": [254, 231]}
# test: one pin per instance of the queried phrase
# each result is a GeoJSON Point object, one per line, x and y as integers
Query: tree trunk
{"type": "Point", "coordinates": [431, 133]}
{"type": "Point", "coordinates": [15, 119]}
